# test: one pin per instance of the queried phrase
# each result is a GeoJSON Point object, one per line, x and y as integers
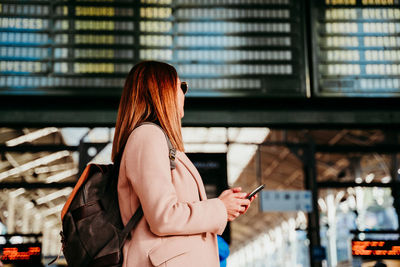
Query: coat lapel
{"type": "Point", "coordinates": [192, 169]}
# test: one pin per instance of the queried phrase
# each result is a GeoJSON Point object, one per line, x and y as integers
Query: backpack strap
{"type": "Point", "coordinates": [172, 150]}
{"type": "Point", "coordinates": [134, 220]}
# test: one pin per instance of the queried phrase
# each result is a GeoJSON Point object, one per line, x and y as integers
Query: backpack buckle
{"type": "Point", "coordinates": [172, 154]}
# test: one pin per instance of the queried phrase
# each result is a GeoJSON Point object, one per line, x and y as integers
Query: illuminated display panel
{"type": "Point", "coordinates": [384, 249]}
{"type": "Point", "coordinates": [358, 47]}
{"type": "Point", "coordinates": [240, 48]}
{"type": "Point", "coordinates": [66, 47]}
{"type": "Point", "coordinates": [224, 49]}
{"type": "Point", "coordinates": [21, 253]}
{"type": "Point", "coordinates": [25, 47]}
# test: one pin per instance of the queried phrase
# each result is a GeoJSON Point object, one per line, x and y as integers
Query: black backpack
{"type": "Point", "coordinates": [92, 230]}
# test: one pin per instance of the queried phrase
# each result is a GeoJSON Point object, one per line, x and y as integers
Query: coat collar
{"type": "Point", "coordinates": [192, 169]}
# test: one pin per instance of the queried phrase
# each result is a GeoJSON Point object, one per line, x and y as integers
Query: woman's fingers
{"type": "Point", "coordinates": [240, 195]}
{"type": "Point", "coordinates": [236, 202]}
{"type": "Point", "coordinates": [245, 209]}
{"type": "Point", "coordinates": [243, 201]}
{"type": "Point", "coordinates": [233, 216]}
{"type": "Point", "coordinates": [236, 189]}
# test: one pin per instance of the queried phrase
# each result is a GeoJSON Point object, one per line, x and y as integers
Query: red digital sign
{"type": "Point", "coordinates": [18, 253]}
{"type": "Point", "coordinates": [384, 249]}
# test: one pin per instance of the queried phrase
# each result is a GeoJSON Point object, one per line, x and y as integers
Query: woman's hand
{"type": "Point", "coordinates": [235, 202]}
{"type": "Point", "coordinates": [251, 200]}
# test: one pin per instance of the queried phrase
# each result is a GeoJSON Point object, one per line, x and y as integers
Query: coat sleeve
{"type": "Point", "coordinates": [148, 170]}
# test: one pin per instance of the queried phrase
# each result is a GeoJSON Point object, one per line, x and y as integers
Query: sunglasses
{"type": "Point", "coordinates": [184, 87]}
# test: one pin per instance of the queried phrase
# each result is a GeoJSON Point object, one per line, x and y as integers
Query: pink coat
{"type": "Point", "coordinates": [180, 224]}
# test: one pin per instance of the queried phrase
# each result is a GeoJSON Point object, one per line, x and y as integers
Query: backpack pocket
{"type": "Point", "coordinates": [73, 249]}
{"type": "Point", "coordinates": [100, 236]}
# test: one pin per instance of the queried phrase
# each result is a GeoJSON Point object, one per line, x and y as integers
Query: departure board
{"type": "Point", "coordinates": [357, 44]}
{"type": "Point", "coordinates": [224, 48]}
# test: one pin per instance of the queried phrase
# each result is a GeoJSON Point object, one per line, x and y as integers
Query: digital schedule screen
{"type": "Point", "coordinates": [357, 44]}
{"type": "Point", "coordinates": [375, 249]}
{"type": "Point", "coordinates": [21, 253]}
{"type": "Point", "coordinates": [224, 48]}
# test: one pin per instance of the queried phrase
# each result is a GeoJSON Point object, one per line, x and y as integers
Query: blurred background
{"type": "Point", "coordinates": [299, 95]}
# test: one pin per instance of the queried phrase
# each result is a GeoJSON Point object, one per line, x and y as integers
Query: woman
{"type": "Point", "coordinates": [180, 224]}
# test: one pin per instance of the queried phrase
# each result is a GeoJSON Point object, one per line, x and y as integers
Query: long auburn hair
{"type": "Point", "coordinates": [149, 94]}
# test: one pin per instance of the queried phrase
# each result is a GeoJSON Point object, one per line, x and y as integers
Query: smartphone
{"type": "Point", "coordinates": [255, 191]}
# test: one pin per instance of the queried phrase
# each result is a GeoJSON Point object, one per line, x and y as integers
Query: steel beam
{"type": "Point", "coordinates": [209, 118]}
{"type": "Point", "coordinates": [235, 112]}
{"type": "Point", "coordinates": [342, 149]}
{"type": "Point", "coordinates": [310, 183]}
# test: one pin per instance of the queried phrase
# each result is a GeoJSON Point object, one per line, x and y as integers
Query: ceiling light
{"type": "Point", "coordinates": [53, 210]}
{"type": "Point", "coordinates": [35, 163]}
{"type": "Point", "coordinates": [16, 239]}
{"type": "Point", "coordinates": [52, 196]}
{"type": "Point", "coordinates": [29, 205]}
{"type": "Point", "coordinates": [369, 178]}
{"type": "Point", "coordinates": [322, 205]}
{"type": "Point", "coordinates": [386, 179]}
{"type": "Point", "coordinates": [31, 136]}
{"type": "Point", "coordinates": [61, 176]}
{"type": "Point", "coordinates": [17, 192]}
{"type": "Point", "coordinates": [53, 168]}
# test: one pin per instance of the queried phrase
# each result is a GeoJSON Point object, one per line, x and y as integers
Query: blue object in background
{"type": "Point", "coordinates": [223, 251]}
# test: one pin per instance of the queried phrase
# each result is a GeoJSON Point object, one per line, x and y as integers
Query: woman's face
{"type": "Point", "coordinates": [181, 99]}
